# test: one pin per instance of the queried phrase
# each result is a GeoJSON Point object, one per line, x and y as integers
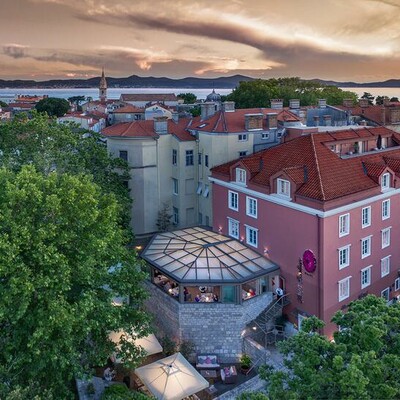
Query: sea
{"type": "Point", "coordinates": [7, 95]}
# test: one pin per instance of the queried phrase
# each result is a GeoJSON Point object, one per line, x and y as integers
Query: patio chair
{"type": "Point", "coordinates": [207, 361]}
{"type": "Point", "coordinates": [229, 375]}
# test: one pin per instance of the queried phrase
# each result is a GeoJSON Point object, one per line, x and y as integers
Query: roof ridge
{"type": "Point", "coordinates": [218, 121]}
{"type": "Point", "coordinates": [317, 165]}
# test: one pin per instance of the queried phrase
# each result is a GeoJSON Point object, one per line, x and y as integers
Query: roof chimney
{"type": "Point", "coordinates": [363, 102]}
{"type": "Point", "coordinates": [208, 109]}
{"type": "Point", "coordinates": [322, 103]}
{"type": "Point", "coordinates": [294, 104]}
{"type": "Point", "coordinates": [327, 119]}
{"type": "Point", "coordinates": [228, 106]}
{"type": "Point", "coordinates": [276, 104]}
{"type": "Point", "coordinates": [348, 102]}
{"type": "Point", "coordinates": [253, 122]}
{"type": "Point", "coordinates": [272, 120]}
{"type": "Point", "coordinates": [161, 125]}
{"type": "Point", "coordinates": [175, 116]}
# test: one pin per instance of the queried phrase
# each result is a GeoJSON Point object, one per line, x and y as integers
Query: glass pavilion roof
{"type": "Point", "coordinates": [197, 255]}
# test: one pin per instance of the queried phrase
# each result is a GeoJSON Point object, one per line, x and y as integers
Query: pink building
{"type": "Point", "coordinates": [323, 207]}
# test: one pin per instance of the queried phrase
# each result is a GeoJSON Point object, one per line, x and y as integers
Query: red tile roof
{"type": "Point", "coordinates": [372, 112]}
{"type": "Point", "coordinates": [128, 109]}
{"type": "Point", "coordinates": [141, 129]}
{"type": "Point", "coordinates": [318, 172]}
{"type": "Point", "coordinates": [149, 97]}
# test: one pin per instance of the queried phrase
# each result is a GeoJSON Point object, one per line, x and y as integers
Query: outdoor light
{"type": "Point", "coordinates": [266, 251]}
{"type": "Point", "coordinates": [220, 229]}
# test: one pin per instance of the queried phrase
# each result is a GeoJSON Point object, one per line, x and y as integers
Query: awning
{"type": "Point", "coordinates": [172, 378]}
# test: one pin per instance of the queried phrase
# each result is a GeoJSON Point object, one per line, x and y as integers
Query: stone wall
{"type": "Point", "coordinates": [213, 327]}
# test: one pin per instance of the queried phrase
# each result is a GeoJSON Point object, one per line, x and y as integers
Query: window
{"type": "Point", "coordinates": [279, 135]}
{"type": "Point", "coordinates": [344, 288]}
{"type": "Point", "coordinates": [265, 136]}
{"type": "Point", "coordinates": [123, 154]}
{"type": "Point", "coordinates": [189, 157]}
{"type": "Point", "coordinates": [206, 160]}
{"type": "Point", "coordinates": [206, 191]}
{"type": "Point", "coordinates": [251, 207]}
{"type": "Point", "coordinates": [385, 238]}
{"type": "Point", "coordinates": [242, 153]}
{"type": "Point", "coordinates": [366, 216]}
{"type": "Point", "coordinates": [344, 257]}
{"type": "Point", "coordinates": [365, 277]}
{"type": "Point", "coordinates": [175, 186]}
{"type": "Point", "coordinates": [175, 216]}
{"type": "Point", "coordinates": [174, 157]}
{"type": "Point", "coordinates": [385, 181]}
{"type": "Point", "coordinates": [199, 158]}
{"type": "Point", "coordinates": [233, 228]}
{"type": "Point", "coordinates": [385, 294]}
{"type": "Point", "coordinates": [240, 175]}
{"type": "Point", "coordinates": [386, 209]}
{"type": "Point", "coordinates": [366, 247]}
{"type": "Point", "coordinates": [251, 236]}
{"type": "Point", "coordinates": [233, 201]}
{"type": "Point", "coordinates": [397, 284]}
{"type": "Point", "coordinates": [242, 137]}
{"type": "Point", "coordinates": [199, 188]}
{"type": "Point", "coordinates": [344, 225]}
{"type": "Point", "coordinates": [385, 266]}
{"type": "Point", "coordinates": [283, 187]}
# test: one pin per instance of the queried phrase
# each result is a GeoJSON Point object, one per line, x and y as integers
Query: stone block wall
{"type": "Point", "coordinates": [213, 327]}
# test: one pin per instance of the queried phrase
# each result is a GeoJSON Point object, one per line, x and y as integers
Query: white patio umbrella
{"type": "Point", "coordinates": [149, 343]}
{"type": "Point", "coordinates": [171, 378]}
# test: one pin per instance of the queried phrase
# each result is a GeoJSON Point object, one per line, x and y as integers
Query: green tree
{"type": "Point", "coordinates": [53, 106]}
{"type": "Point", "coordinates": [188, 98]}
{"type": "Point", "coordinates": [369, 97]}
{"type": "Point", "coordinates": [63, 258]}
{"type": "Point", "coordinates": [195, 111]}
{"type": "Point", "coordinates": [252, 396]}
{"type": "Point", "coordinates": [379, 100]}
{"type": "Point", "coordinates": [77, 100]}
{"type": "Point", "coordinates": [334, 96]}
{"type": "Point", "coordinates": [51, 146]}
{"type": "Point", "coordinates": [394, 99]}
{"type": "Point", "coordinates": [2, 104]}
{"type": "Point", "coordinates": [363, 361]}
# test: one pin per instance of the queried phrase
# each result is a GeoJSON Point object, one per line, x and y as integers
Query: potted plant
{"type": "Point", "coordinates": [90, 390]}
{"type": "Point", "coordinates": [245, 363]}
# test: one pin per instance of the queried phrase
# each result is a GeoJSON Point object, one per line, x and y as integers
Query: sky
{"type": "Point", "coordinates": [341, 40]}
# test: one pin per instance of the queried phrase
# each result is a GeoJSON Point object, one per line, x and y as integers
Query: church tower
{"type": "Point", "coordinates": [103, 87]}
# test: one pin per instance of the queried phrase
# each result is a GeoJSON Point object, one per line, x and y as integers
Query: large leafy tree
{"type": "Point", "coordinates": [63, 257]}
{"type": "Point", "coordinates": [50, 146]}
{"type": "Point", "coordinates": [53, 106]}
{"type": "Point", "coordinates": [363, 361]}
{"type": "Point", "coordinates": [260, 92]}
{"type": "Point", "coordinates": [188, 98]}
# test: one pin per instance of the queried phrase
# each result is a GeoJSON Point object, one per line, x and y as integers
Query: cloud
{"type": "Point", "coordinates": [14, 50]}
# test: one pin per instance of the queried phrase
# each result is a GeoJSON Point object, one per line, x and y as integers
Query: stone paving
{"type": "Point", "coordinates": [255, 384]}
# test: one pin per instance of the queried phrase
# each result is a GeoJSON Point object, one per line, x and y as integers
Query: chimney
{"type": "Point", "coordinates": [363, 102]}
{"type": "Point", "coordinates": [348, 103]}
{"type": "Point", "coordinates": [294, 104]}
{"type": "Point", "coordinates": [363, 122]}
{"type": "Point", "coordinates": [276, 104]}
{"type": "Point", "coordinates": [322, 103]}
{"type": "Point", "coordinates": [253, 122]}
{"type": "Point", "coordinates": [228, 106]}
{"type": "Point", "coordinates": [383, 115]}
{"type": "Point", "coordinates": [208, 109]}
{"type": "Point", "coordinates": [272, 120]}
{"type": "Point", "coordinates": [327, 120]}
{"type": "Point", "coordinates": [161, 125]}
{"type": "Point", "coordinates": [316, 120]}
{"type": "Point", "coordinates": [386, 101]}
{"type": "Point", "coordinates": [175, 116]}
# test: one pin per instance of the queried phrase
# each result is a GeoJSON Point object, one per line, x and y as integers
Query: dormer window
{"type": "Point", "coordinates": [385, 181]}
{"type": "Point", "coordinates": [240, 176]}
{"type": "Point", "coordinates": [283, 187]}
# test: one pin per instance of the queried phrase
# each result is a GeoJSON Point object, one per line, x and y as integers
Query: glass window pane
{"type": "Point", "coordinates": [228, 294]}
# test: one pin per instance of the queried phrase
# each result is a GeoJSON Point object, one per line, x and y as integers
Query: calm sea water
{"type": "Point", "coordinates": [8, 95]}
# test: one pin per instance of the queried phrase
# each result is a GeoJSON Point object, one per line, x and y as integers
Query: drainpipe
{"type": "Point", "coordinates": [319, 266]}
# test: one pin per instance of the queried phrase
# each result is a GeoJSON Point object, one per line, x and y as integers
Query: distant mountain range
{"type": "Point", "coordinates": [135, 81]}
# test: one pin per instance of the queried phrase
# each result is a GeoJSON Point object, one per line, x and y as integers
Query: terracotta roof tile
{"type": "Point", "coordinates": [149, 97]}
{"type": "Point", "coordinates": [128, 109]}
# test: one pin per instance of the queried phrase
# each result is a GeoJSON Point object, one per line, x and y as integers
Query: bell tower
{"type": "Point", "coordinates": [103, 87]}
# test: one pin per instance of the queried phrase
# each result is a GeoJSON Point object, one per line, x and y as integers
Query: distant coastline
{"type": "Point", "coordinates": [138, 82]}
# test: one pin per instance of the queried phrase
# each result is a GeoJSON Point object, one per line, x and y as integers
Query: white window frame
{"type": "Point", "coordinates": [346, 262]}
{"type": "Point", "coordinates": [175, 186]}
{"type": "Point", "coordinates": [265, 136]}
{"type": "Point", "coordinates": [366, 217]}
{"type": "Point", "coordinates": [242, 137]}
{"type": "Point", "coordinates": [174, 157]}
{"type": "Point", "coordinates": [199, 188]}
{"type": "Point", "coordinates": [233, 228]}
{"type": "Point", "coordinates": [251, 207]}
{"type": "Point", "coordinates": [368, 241]}
{"type": "Point", "coordinates": [385, 181]}
{"type": "Point", "coordinates": [283, 188]}
{"type": "Point", "coordinates": [344, 224]}
{"type": "Point", "coordinates": [385, 266]}
{"type": "Point", "coordinates": [240, 176]}
{"type": "Point", "coordinates": [386, 237]}
{"type": "Point", "coordinates": [397, 284]}
{"type": "Point", "coordinates": [206, 190]}
{"type": "Point", "coordinates": [232, 203]}
{"type": "Point", "coordinates": [385, 209]}
{"type": "Point", "coordinates": [366, 282]}
{"type": "Point", "coordinates": [175, 215]}
{"type": "Point", "coordinates": [385, 293]}
{"type": "Point", "coordinates": [251, 234]}
{"type": "Point", "coordinates": [344, 291]}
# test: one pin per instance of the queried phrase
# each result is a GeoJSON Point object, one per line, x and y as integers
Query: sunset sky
{"type": "Point", "coordinates": [357, 40]}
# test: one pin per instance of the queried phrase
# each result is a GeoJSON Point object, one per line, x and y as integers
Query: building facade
{"type": "Point", "coordinates": [322, 207]}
